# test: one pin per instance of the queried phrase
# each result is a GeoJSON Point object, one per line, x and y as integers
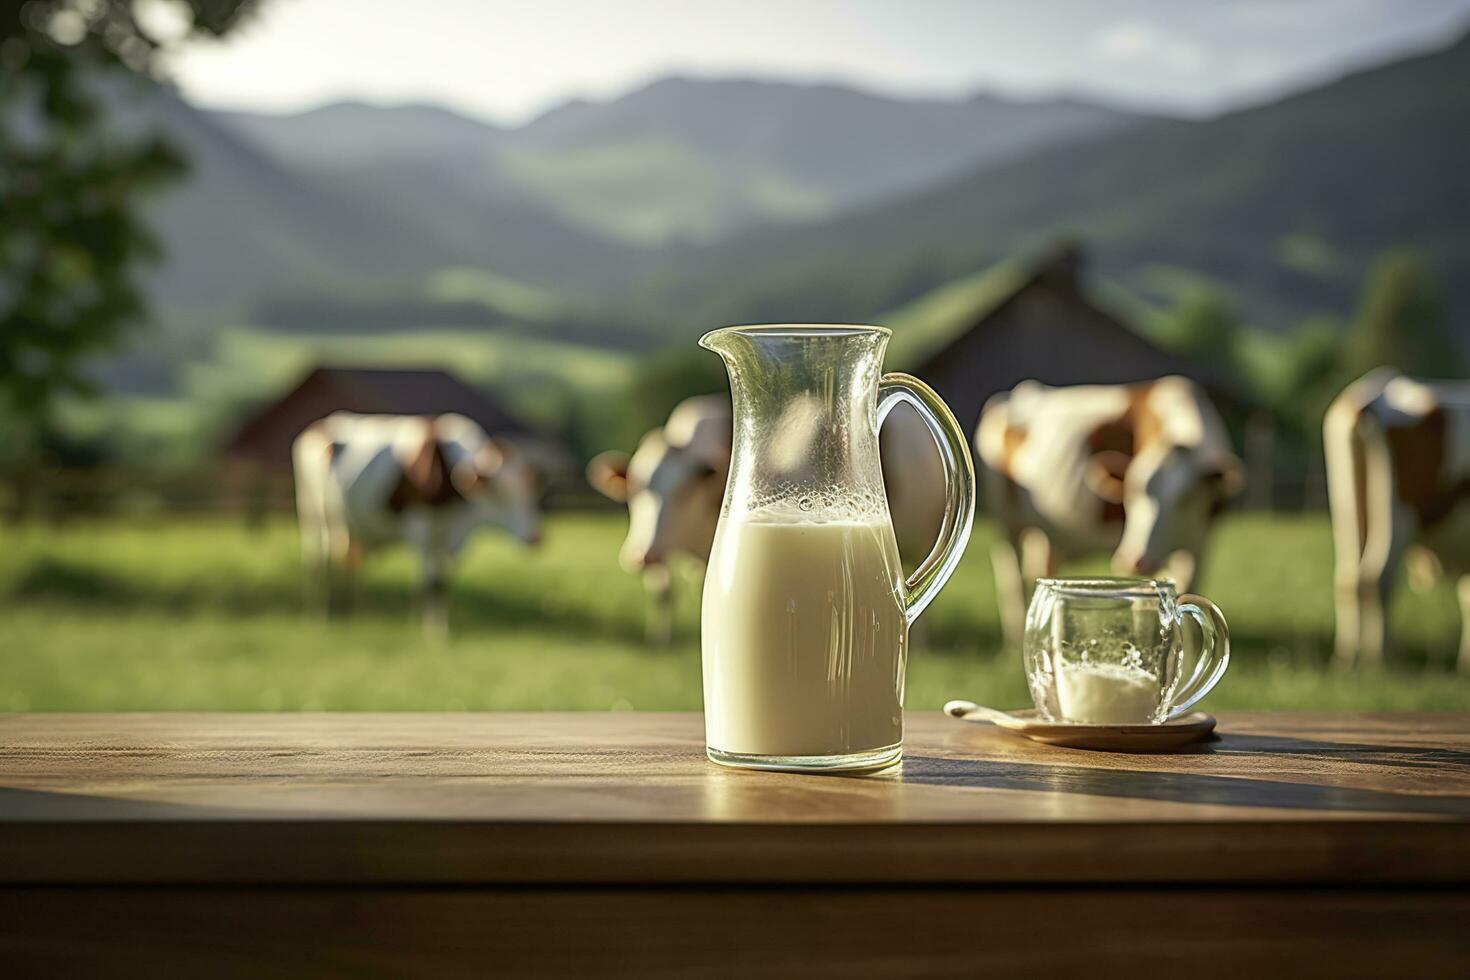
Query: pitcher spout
{"type": "Point", "coordinates": [804, 413]}
{"type": "Point", "coordinates": [782, 359]}
{"type": "Point", "coordinates": [727, 341]}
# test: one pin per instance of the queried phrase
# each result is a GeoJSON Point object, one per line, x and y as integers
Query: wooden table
{"type": "Point", "coordinates": [605, 844]}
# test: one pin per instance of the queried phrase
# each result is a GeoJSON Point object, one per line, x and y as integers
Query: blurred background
{"type": "Point", "coordinates": [222, 220]}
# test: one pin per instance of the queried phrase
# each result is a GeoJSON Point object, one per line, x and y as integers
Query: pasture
{"type": "Point", "coordinates": [206, 614]}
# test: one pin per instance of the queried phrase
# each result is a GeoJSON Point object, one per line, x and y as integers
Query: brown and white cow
{"type": "Point", "coordinates": [674, 482]}
{"type": "Point", "coordinates": [367, 480]}
{"type": "Point", "coordinates": [1398, 479]}
{"type": "Point", "coordinates": [1137, 470]}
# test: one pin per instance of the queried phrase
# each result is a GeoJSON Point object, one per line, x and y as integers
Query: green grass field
{"type": "Point", "coordinates": [204, 615]}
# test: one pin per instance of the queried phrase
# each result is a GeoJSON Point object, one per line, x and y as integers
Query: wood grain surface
{"type": "Point", "coordinates": [629, 799]}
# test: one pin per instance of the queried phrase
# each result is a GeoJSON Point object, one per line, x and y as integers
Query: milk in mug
{"type": "Point", "coordinates": [805, 638]}
{"type": "Point", "coordinates": [1107, 694]}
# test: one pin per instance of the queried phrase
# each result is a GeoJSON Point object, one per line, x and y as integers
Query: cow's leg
{"type": "Point", "coordinates": [347, 570]}
{"type": "Point", "coordinates": [436, 596]}
{"type": "Point", "coordinates": [1389, 529]}
{"type": "Point", "coordinates": [1342, 454]}
{"type": "Point", "coordinates": [343, 555]}
{"type": "Point", "coordinates": [1462, 587]}
{"type": "Point", "coordinates": [1347, 464]}
{"type": "Point", "coordinates": [1363, 590]}
{"type": "Point", "coordinates": [1373, 596]}
{"type": "Point", "coordinates": [1010, 592]}
{"type": "Point", "coordinates": [316, 558]}
{"type": "Point", "coordinates": [1348, 636]}
{"type": "Point", "coordinates": [1347, 583]}
{"type": "Point", "coordinates": [316, 544]}
{"type": "Point", "coordinates": [1038, 560]}
{"type": "Point", "coordinates": [658, 582]}
{"type": "Point", "coordinates": [1181, 569]}
{"type": "Point", "coordinates": [1018, 563]}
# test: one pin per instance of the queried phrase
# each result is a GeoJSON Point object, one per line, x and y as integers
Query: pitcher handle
{"type": "Point", "coordinates": [959, 480]}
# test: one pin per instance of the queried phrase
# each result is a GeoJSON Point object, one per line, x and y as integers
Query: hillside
{"type": "Point", "coordinates": [240, 223]}
{"type": "Point", "coordinates": [679, 158]}
{"type": "Point", "coordinates": [710, 156]}
{"type": "Point", "coordinates": [246, 225]}
{"type": "Point", "coordinates": [347, 132]}
{"type": "Point", "coordinates": [1284, 205]}
{"type": "Point", "coordinates": [412, 218]}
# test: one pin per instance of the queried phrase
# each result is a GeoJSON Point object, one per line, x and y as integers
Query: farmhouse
{"type": "Point", "coordinates": [1045, 327]}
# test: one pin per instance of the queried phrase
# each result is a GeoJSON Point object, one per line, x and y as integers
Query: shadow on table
{"type": "Point", "coordinates": [1189, 787]}
{"type": "Point", "coordinates": [1393, 756]}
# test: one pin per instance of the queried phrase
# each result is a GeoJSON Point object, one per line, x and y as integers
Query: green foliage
{"type": "Point", "coordinates": [661, 382]}
{"type": "Point", "coordinates": [1401, 323]}
{"type": "Point", "coordinates": [71, 236]}
{"type": "Point", "coordinates": [1205, 327]}
{"type": "Point", "coordinates": [92, 619]}
{"type": "Point", "coordinates": [1296, 374]}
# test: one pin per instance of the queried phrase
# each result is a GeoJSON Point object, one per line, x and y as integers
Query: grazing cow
{"type": "Point", "coordinates": [674, 482]}
{"type": "Point", "coordinates": [1398, 471]}
{"type": "Point", "coordinates": [368, 480]}
{"type": "Point", "coordinates": [1138, 470]}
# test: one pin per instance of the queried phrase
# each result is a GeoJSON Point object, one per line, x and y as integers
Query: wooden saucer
{"type": "Point", "coordinates": [1076, 735]}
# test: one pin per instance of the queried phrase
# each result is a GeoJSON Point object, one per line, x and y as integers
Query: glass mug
{"type": "Point", "coordinates": [806, 611]}
{"type": "Point", "coordinates": [1121, 651]}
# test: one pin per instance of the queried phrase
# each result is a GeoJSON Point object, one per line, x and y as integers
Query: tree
{"type": "Point", "coordinates": [1400, 323]}
{"type": "Point", "coordinates": [1204, 326]}
{"type": "Point", "coordinates": [71, 237]}
{"type": "Point", "coordinates": [663, 380]}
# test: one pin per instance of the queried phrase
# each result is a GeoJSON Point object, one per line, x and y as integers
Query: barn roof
{"type": "Point", "coordinates": [1046, 328]}
{"type": "Point", "coordinates": [266, 437]}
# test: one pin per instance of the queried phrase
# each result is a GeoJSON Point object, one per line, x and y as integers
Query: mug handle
{"type": "Point", "coordinates": [959, 486]}
{"type": "Point", "coordinates": [1214, 655]}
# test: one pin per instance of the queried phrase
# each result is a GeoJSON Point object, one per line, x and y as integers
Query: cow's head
{"type": "Point", "coordinates": [673, 492]}
{"type": "Point", "coordinates": [503, 487]}
{"type": "Point", "coordinates": [1169, 499]}
{"type": "Point", "coordinates": [1179, 476]}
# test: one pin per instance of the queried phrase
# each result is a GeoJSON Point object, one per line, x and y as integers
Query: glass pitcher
{"type": "Point", "coordinates": [806, 610]}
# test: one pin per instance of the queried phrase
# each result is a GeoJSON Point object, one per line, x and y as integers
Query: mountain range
{"type": "Point", "coordinates": [680, 159]}
{"type": "Point", "coordinates": [1282, 207]}
{"type": "Point", "coordinates": [353, 201]}
{"type": "Point", "coordinates": [692, 201]}
{"type": "Point", "coordinates": [248, 224]}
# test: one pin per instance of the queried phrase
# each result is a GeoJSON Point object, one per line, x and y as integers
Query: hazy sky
{"type": "Point", "coordinates": [509, 59]}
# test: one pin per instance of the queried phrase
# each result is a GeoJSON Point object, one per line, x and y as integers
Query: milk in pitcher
{"type": "Point", "coordinates": [805, 637]}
